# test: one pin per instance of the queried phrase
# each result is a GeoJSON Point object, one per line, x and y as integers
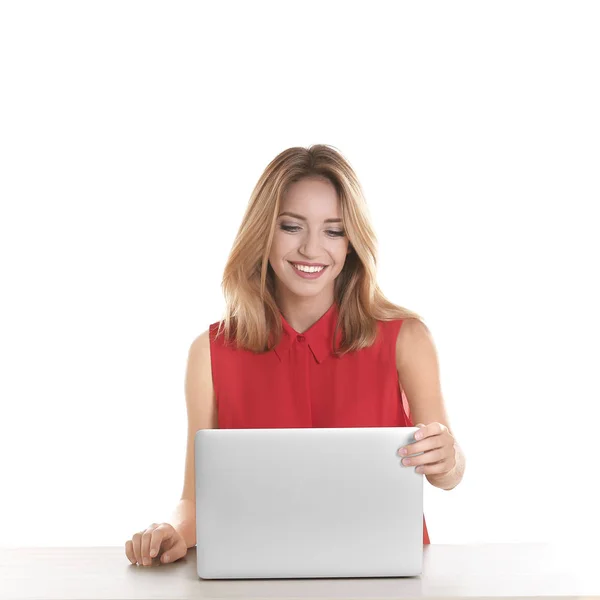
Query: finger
{"type": "Point", "coordinates": [178, 550]}
{"type": "Point", "coordinates": [129, 551]}
{"type": "Point", "coordinates": [436, 468]}
{"type": "Point", "coordinates": [136, 541]}
{"type": "Point", "coordinates": [434, 428]}
{"type": "Point", "coordinates": [427, 458]}
{"type": "Point", "coordinates": [160, 539]}
{"type": "Point", "coordinates": [145, 547]}
{"type": "Point", "coordinates": [430, 443]}
{"type": "Point", "coordinates": [422, 433]}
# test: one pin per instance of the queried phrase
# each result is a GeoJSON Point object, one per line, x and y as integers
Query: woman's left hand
{"type": "Point", "coordinates": [437, 445]}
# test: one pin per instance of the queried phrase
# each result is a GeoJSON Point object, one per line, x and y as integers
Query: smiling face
{"type": "Point", "coordinates": [311, 231]}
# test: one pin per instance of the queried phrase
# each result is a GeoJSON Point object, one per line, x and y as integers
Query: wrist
{"type": "Point", "coordinates": [448, 481]}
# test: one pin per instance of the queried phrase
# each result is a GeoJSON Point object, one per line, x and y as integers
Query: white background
{"type": "Point", "coordinates": [132, 134]}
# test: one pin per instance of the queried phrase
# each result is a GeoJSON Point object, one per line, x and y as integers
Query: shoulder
{"type": "Point", "coordinates": [213, 330]}
{"type": "Point", "coordinates": [201, 344]}
{"type": "Point", "coordinates": [216, 338]}
{"type": "Point", "coordinates": [213, 327]}
{"type": "Point", "coordinates": [414, 338]}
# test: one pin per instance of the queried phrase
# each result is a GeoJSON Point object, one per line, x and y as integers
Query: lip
{"type": "Point", "coordinates": [308, 275]}
{"type": "Point", "coordinates": [306, 264]}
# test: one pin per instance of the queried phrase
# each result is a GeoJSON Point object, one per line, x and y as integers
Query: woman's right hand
{"type": "Point", "coordinates": [160, 541]}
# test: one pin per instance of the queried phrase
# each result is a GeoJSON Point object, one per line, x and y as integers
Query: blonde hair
{"type": "Point", "coordinates": [251, 316]}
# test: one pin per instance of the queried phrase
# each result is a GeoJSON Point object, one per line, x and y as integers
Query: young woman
{"type": "Point", "coordinates": [308, 339]}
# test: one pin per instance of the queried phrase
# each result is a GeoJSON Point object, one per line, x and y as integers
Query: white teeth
{"type": "Point", "coordinates": [307, 269]}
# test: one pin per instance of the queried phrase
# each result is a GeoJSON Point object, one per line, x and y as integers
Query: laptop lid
{"type": "Point", "coordinates": [307, 502]}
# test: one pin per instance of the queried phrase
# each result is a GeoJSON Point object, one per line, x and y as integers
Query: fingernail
{"type": "Point", "coordinates": [146, 561]}
{"type": "Point", "coordinates": [165, 557]}
{"type": "Point", "coordinates": [153, 552]}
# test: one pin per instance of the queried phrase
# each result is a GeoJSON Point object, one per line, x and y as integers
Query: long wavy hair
{"type": "Point", "coordinates": [252, 318]}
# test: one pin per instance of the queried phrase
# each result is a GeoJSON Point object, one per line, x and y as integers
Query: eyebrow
{"type": "Point", "coordinates": [297, 216]}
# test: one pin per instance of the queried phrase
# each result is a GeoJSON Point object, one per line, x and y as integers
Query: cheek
{"type": "Point", "coordinates": [279, 250]}
{"type": "Point", "coordinates": [340, 254]}
{"type": "Point", "coordinates": [283, 245]}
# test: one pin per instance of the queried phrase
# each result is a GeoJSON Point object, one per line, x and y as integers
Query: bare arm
{"type": "Point", "coordinates": [201, 414]}
{"type": "Point", "coordinates": [419, 375]}
{"type": "Point", "coordinates": [183, 520]}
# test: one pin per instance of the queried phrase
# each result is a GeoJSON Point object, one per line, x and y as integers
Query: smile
{"type": "Point", "coordinates": [308, 272]}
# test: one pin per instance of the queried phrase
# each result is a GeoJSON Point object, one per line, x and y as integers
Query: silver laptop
{"type": "Point", "coordinates": [307, 502]}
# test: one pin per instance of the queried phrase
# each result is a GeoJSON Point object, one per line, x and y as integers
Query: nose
{"type": "Point", "coordinates": [310, 245]}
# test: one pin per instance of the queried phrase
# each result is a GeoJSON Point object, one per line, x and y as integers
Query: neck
{"type": "Point", "coordinates": [302, 312]}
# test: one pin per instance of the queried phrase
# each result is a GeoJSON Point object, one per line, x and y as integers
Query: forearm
{"type": "Point", "coordinates": [183, 521]}
{"type": "Point", "coordinates": [450, 480]}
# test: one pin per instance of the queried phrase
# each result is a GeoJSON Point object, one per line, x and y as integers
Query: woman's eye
{"type": "Point", "coordinates": [293, 228]}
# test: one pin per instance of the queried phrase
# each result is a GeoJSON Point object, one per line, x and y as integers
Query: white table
{"type": "Point", "coordinates": [449, 571]}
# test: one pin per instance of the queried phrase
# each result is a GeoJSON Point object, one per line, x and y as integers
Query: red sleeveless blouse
{"type": "Point", "coordinates": [300, 383]}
